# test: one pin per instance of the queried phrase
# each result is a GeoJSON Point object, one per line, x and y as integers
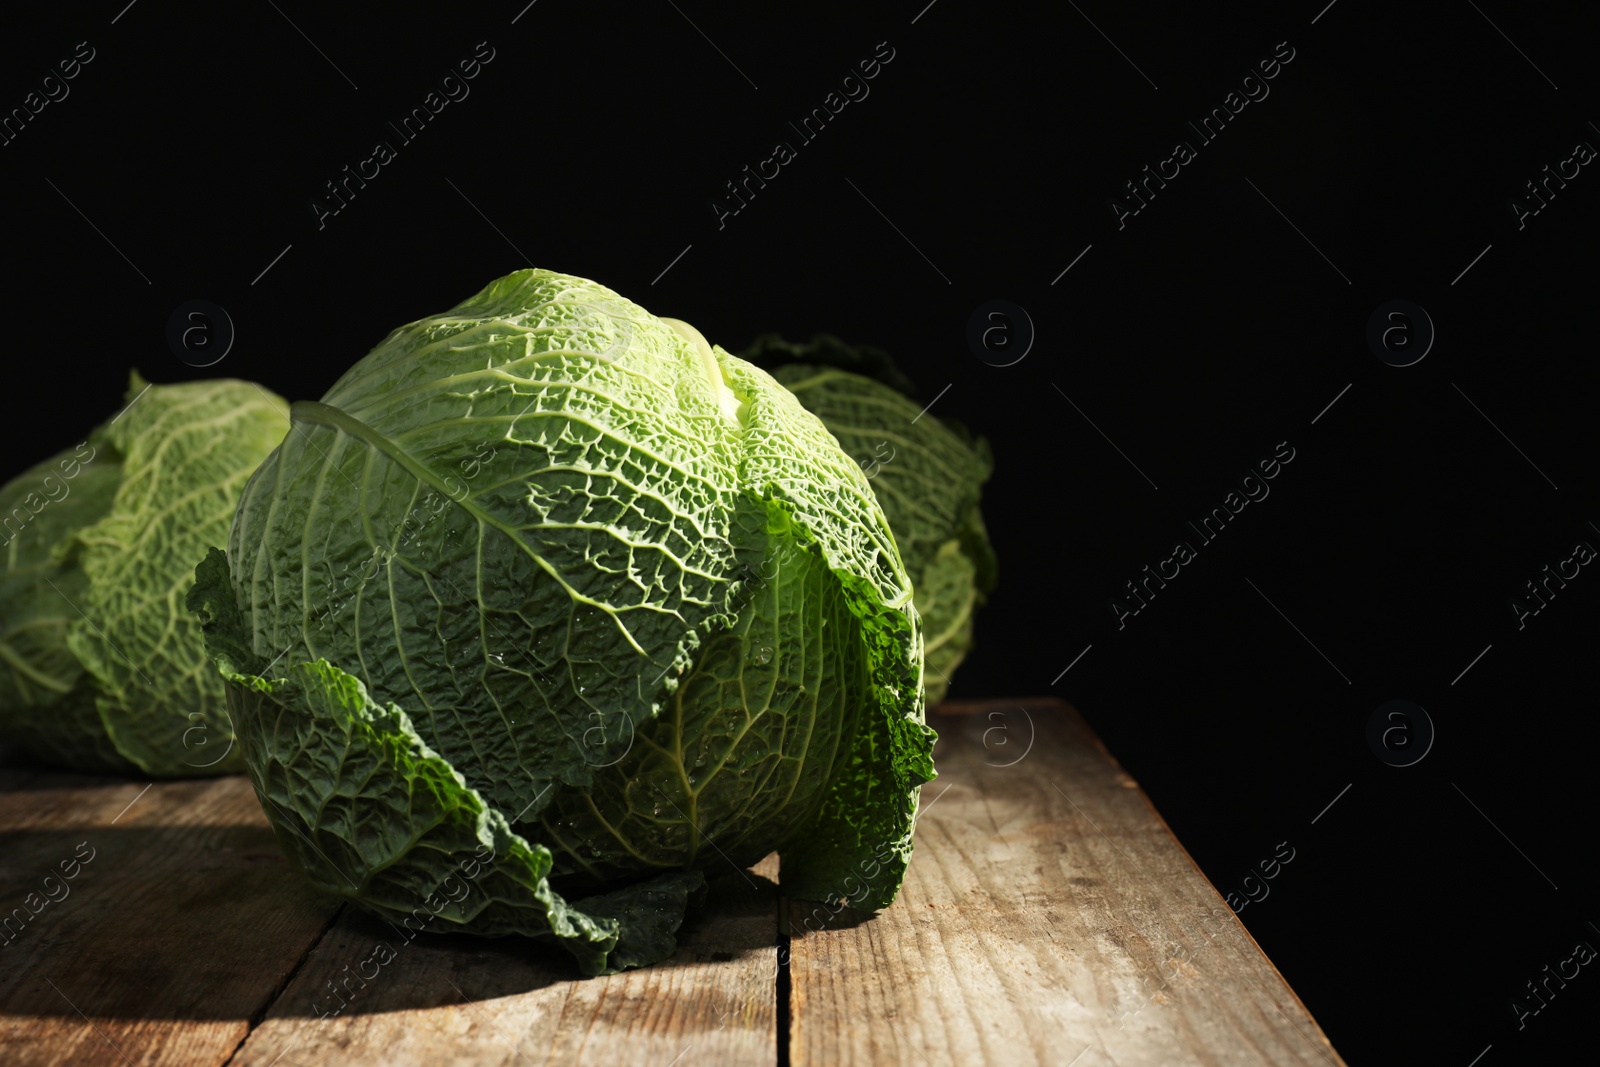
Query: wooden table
{"type": "Point", "coordinates": [1049, 917]}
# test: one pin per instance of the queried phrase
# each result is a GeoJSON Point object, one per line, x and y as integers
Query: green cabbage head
{"type": "Point", "coordinates": [101, 667]}
{"type": "Point", "coordinates": [549, 609]}
{"type": "Point", "coordinates": [928, 475]}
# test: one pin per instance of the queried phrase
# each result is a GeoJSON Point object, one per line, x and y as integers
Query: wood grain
{"type": "Point", "coordinates": [1049, 917]}
{"type": "Point", "coordinates": [460, 1000]}
{"type": "Point", "coordinates": [176, 933]}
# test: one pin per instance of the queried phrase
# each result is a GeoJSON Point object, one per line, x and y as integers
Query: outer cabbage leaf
{"type": "Point", "coordinates": [928, 475]}
{"type": "Point", "coordinates": [614, 585]}
{"type": "Point", "coordinates": [369, 811]}
{"type": "Point", "coordinates": [101, 667]}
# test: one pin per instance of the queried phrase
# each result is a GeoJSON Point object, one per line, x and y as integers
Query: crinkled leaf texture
{"type": "Point", "coordinates": [550, 585]}
{"type": "Point", "coordinates": [927, 474]}
{"type": "Point", "coordinates": [101, 667]}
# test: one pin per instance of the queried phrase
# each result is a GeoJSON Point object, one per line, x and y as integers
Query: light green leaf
{"type": "Point", "coordinates": [101, 667]}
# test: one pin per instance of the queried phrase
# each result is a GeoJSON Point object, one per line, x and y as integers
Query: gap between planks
{"type": "Point", "coordinates": [1049, 916]}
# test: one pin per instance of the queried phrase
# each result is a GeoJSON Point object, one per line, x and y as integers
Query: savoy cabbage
{"type": "Point", "coordinates": [101, 667]}
{"type": "Point", "coordinates": [547, 610]}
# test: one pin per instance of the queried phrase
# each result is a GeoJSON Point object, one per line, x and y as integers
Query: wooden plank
{"type": "Point", "coordinates": [461, 1000]}
{"type": "Point", "coordinates": [1049, 917]}
{"type": "Point", "coordinates": [178, 924]}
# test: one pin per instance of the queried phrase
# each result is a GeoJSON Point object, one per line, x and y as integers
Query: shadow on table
{"type": "Point", "coordinates": [209, 922]}
{"type": "Point", "coordinates": [18, 775]}
{"type": "Point", "coordinates": [737, 919]}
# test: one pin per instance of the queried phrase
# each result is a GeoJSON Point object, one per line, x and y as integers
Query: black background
{"type": "Point", "coordinates": [1196, 338]}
